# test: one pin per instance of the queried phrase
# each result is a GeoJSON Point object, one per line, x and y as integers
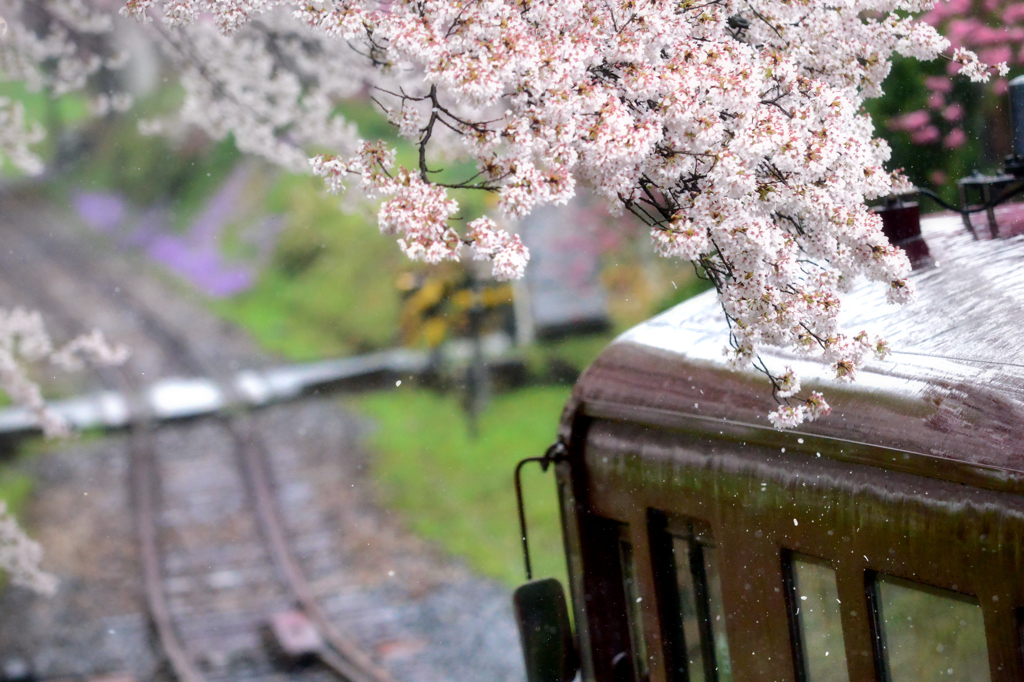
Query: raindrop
{"type": "Point", "coordinates": [795, 523]}
{"type": "Point", "coordinates": [800, 440]}
{"type": "Point", "coordinates": [398, 383]}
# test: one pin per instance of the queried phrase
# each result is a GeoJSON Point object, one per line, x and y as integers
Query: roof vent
{"type": "Point", "coordinates": [901, 223]}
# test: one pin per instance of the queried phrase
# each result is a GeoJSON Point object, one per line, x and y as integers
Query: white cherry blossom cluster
{"type": "Point", "coordinates": [273, 83]}
{"type": "Point", "coordinates": [734, 128]}
{"type": "Point", "coordinates": [24, 341]}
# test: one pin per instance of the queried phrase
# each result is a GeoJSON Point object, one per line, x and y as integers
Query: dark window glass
{"type": "Point", "coordinates": [815, 609]}
{"type": "Point", "coordinates": [930, 634]}
{"type": "Point", "coordinates": [635, 609]}
{"type": "Point", "coordinates": [701, 615]}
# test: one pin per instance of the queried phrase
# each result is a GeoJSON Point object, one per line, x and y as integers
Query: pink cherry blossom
{"type": "Point", "coordinates": [955, 138]}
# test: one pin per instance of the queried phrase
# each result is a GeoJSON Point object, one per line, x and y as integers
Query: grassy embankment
{"type": "Point", "coordinates": [458, 491]}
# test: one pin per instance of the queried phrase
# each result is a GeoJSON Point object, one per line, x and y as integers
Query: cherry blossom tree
{"type": "Point", "coordinates": [734, 129]}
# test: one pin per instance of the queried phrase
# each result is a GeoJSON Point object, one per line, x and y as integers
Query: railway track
{"type": "Point", "coordinates": [217, 560]}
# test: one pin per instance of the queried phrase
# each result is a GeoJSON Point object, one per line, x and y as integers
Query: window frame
{"type": "Point", "coordinates": [664, 529]}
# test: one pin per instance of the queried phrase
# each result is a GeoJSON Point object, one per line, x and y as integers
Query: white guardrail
{"type": "Point", "coordinates": [176, 398]}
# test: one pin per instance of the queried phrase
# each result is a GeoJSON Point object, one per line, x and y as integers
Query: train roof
{"type": "Point", "coordinates": [948, 401]}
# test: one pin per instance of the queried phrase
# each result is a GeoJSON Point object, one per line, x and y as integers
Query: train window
{"type": "Point", "coordinates": [699, 620]}
{"type": "Point", "coordinates": [634, 603]}
{"type": "Point", "coordinates": [814, 610]}
{"type": "Point", "coordinates": [928, 633]}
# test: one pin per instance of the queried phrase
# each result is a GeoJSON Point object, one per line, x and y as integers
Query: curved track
{"type": "Point", "coordinates": [207, 597]}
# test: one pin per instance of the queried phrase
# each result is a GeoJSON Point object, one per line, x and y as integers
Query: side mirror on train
{"type": "Point", "coordinates": [549, 648]}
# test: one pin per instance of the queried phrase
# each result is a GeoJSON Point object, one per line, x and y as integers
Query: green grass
{"type": "Point", "coordinates": [15, 489]}
{"type": "Point", "coordinates": [457, 491]}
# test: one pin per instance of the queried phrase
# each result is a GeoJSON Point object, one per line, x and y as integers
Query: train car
{"type": "Point", "coordinates": [884, 542]}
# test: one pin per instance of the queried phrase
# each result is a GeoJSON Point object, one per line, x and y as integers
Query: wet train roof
{"type": "Point", "coordinates": [949, 397]}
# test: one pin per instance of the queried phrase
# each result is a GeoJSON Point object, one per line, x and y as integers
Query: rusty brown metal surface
{"type": "Point", "coordinates": [918, 473]}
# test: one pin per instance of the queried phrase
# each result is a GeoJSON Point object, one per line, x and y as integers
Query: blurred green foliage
{"type": "Point", "coordinates": [329, 288]}
{"type": "Point", "coordinates": [151, 169]}
{"type": "Point", "coordinates": [457, 491]}
{"type": "Point", "coordinates": [15, 489]}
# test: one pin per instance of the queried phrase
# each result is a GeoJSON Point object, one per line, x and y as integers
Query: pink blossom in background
{"type": "Point", "coordinates": [911, 121]}
{"type": "Point", "coordinates": [945, 10]}
{"type": "Point", "coordinates": [959, 30]}
{"type": "Point", "coordinates": [939, 84]}
{"type": "Point", "coordinates": [1014, 13]}
{"type": "Point", "coordinates": [992, 30]}
{"type": "Point", "coordinates": [987, 35]}
{"type": "Point", "coordinates": [954, 112]}
{"type": "Point", "coordinates": [927, 135]}
{"type": "Point", "coordinates": [954, 139]}
{"type": "Point", "coordinates": [994, 55]}
{"type": "Point", "coordinates": [937, 177]}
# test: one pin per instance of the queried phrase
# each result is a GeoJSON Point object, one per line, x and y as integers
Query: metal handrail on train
{"type": "Point", "coordinates": [554, 454]}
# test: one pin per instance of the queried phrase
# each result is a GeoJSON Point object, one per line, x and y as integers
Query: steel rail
{"type": "Point", "coordinates": [144, 486]}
